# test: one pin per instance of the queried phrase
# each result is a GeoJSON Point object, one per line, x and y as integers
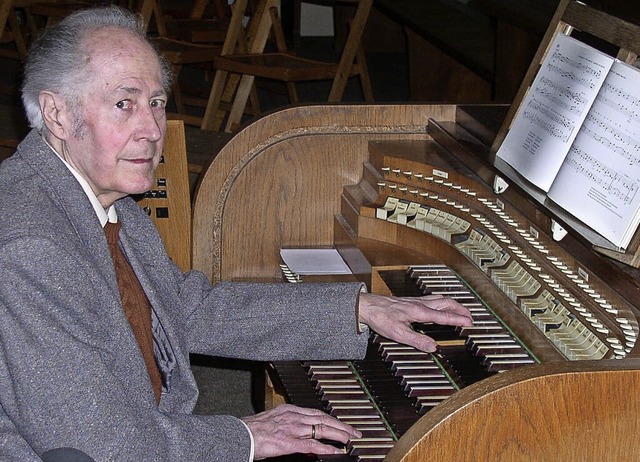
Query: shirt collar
{"type": "Point", "coordinates": [103, 215]}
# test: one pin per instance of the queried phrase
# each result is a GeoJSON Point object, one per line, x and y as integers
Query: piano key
{"type": "Point", "coordinates": [403, 382]}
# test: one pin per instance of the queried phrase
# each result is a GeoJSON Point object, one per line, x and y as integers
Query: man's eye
{"type": "Point", "coordinates": [158, 103]}
{"type": "Point", "coordinates": [124, 104]}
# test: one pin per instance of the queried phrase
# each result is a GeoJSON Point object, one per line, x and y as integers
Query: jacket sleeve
{"type": "Point", "coordinates": [277, 321]}
{"type": "Point", "coordinates": [70, 376]}
{"type": "Point", "coordinates": [254, 321]}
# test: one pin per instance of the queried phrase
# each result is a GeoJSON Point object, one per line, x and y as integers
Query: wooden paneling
{"type": "Point", "coordinates": [278, 182]}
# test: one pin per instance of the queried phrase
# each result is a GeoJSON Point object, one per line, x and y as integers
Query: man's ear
{"type": "Point", "coordinates": [55, 114]}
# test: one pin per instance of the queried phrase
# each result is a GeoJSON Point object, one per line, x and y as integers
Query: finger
{"type": "Point", "coordinates": [301, 414]}
{"type": "Point", "coordinates": [304, 431]}
{"type": "Point", "coordinates": [420, 341]}
{"type": "Point", "coordinates": [328, 425]}
{"type": "Point", "coordinates": [315, 446]}
{"type": "Point", "coordinates": [446, 318]}
{"type": "Point", "coordinates": [440, 303]}
{"type": "Point", "coordinates": [330, 432]}
{"type": "Point", "coordinates": [300, 410]}
{"type": "Point", "coordinates": [445, 311]}
{"type": "Point", "coordinates": [427, 297]}
{"type": "Point", "coordinates": [291, 445]}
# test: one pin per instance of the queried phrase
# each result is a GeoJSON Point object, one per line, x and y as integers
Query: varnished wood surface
{"type": "Point", "coordinates": [172, 214]}
{"type": "Point", "coordinates": [278, 182]}
{"type": "Point", "coordinates": [586, 411]}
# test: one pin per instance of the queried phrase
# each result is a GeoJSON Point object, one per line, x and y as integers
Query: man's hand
{"type": "Point", "coordinates": [392, 317]}
{"type": "Point", "coordinates": [289, 429]}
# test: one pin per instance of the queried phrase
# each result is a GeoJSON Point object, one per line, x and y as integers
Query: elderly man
{"type": "Point", "coordinates": [97, 366]}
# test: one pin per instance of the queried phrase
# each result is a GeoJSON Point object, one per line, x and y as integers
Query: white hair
{"type": "Point", "coordinates": [57, 61]}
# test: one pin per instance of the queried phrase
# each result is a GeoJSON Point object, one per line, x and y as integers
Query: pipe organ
{"type": "Point", "coordinates": [409, 196]}
{"type": "Point", "coordinates": [411, 208]}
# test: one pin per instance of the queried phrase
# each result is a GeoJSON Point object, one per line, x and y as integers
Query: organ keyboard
{"type": "Point", "coordinates": [387, 392]}
{"type": "Point", "coordinates": [410, 198]}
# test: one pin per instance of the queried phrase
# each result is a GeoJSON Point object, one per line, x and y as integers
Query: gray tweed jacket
{"type": "Point", "coordinates": [70, 369]}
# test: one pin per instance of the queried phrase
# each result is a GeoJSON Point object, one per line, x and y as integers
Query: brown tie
{"type": "Point", "coordinates": [136, 306]}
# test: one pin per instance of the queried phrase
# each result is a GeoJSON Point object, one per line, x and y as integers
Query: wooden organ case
{"type": "Point", "coordinates": [408, 193]}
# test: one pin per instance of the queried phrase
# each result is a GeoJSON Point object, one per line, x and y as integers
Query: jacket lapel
{"type": "Point", "coordinates": [138, 253]}
{"type": "Point", "coordinates": [67, 193]}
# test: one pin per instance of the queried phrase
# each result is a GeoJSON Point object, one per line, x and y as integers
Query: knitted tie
{"type": "Point", "coordinates": [136, 306]}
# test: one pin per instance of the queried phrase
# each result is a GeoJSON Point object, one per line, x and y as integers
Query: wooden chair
{"type": "Point", "coordinates": [282, 65]}
{"type": "Point", "coordinates": [200, 27]}
{"type": "Point", "coordinates": [45, 13]}
{"type": "Point", "coordinates": [10, 30]}
{"type": "Point", "coordinates": [179, 53]}
{"type": "Point", "coordinates": [169, 202]}
{"type": "Point", "coordinates": [5, 9]}
{"type": "Point", "coordinates": [220, 8]}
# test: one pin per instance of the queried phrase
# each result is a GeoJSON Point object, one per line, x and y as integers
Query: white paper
{"type": "Point", "coordinates": [554, 108]}
{"type": "Point", "coordinates": [599, 182]}
{"type": "Point", "coordinates": [314, 261]}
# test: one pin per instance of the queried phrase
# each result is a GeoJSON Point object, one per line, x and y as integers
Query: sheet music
{"type": "Point", "coordinates": [314, 261]}
{"type": "Point", "coordinates": [599, 182]}
{"type": "Point", "coordinates": [554, 108]}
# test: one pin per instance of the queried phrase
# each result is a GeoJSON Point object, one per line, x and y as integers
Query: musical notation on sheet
{"type": "Point", "coordinates": [553, 110]}
{"type": "Point", "coordinates": [609, 182]}
{"type": "Point", "coordinates": [577, 137]}
{"type": "Point", "coordinates": [563, 97]}
{"type": "Point", "coordinates": [561, 94]}
{"type": "Point", "coordinates": [601, 130]}
{"type": "Point", "coordinates": [552, 123]}
{"type": "Point", "coordinates": [619, 100]}
{"type": "Point", "coordinates": [600, 178]}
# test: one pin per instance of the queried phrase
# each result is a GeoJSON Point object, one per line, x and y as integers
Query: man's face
{"type": "Point", "coordinates": [118, 144]}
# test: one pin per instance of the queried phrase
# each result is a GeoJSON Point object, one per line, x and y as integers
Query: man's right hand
{"type": "Point", "coordinates": [289, 429]}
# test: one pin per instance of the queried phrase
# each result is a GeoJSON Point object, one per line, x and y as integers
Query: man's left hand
{"type": "Point", "coordinates": [392, 317]}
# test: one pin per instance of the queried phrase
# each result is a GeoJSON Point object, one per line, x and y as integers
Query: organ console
{"type": "Point", "coordinates": [409, 196]}
{"type": "Point", "coordinates": [167, 202]}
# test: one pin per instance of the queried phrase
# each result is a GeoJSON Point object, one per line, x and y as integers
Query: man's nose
{"type": "Point", "coordinates": [150, 124]}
